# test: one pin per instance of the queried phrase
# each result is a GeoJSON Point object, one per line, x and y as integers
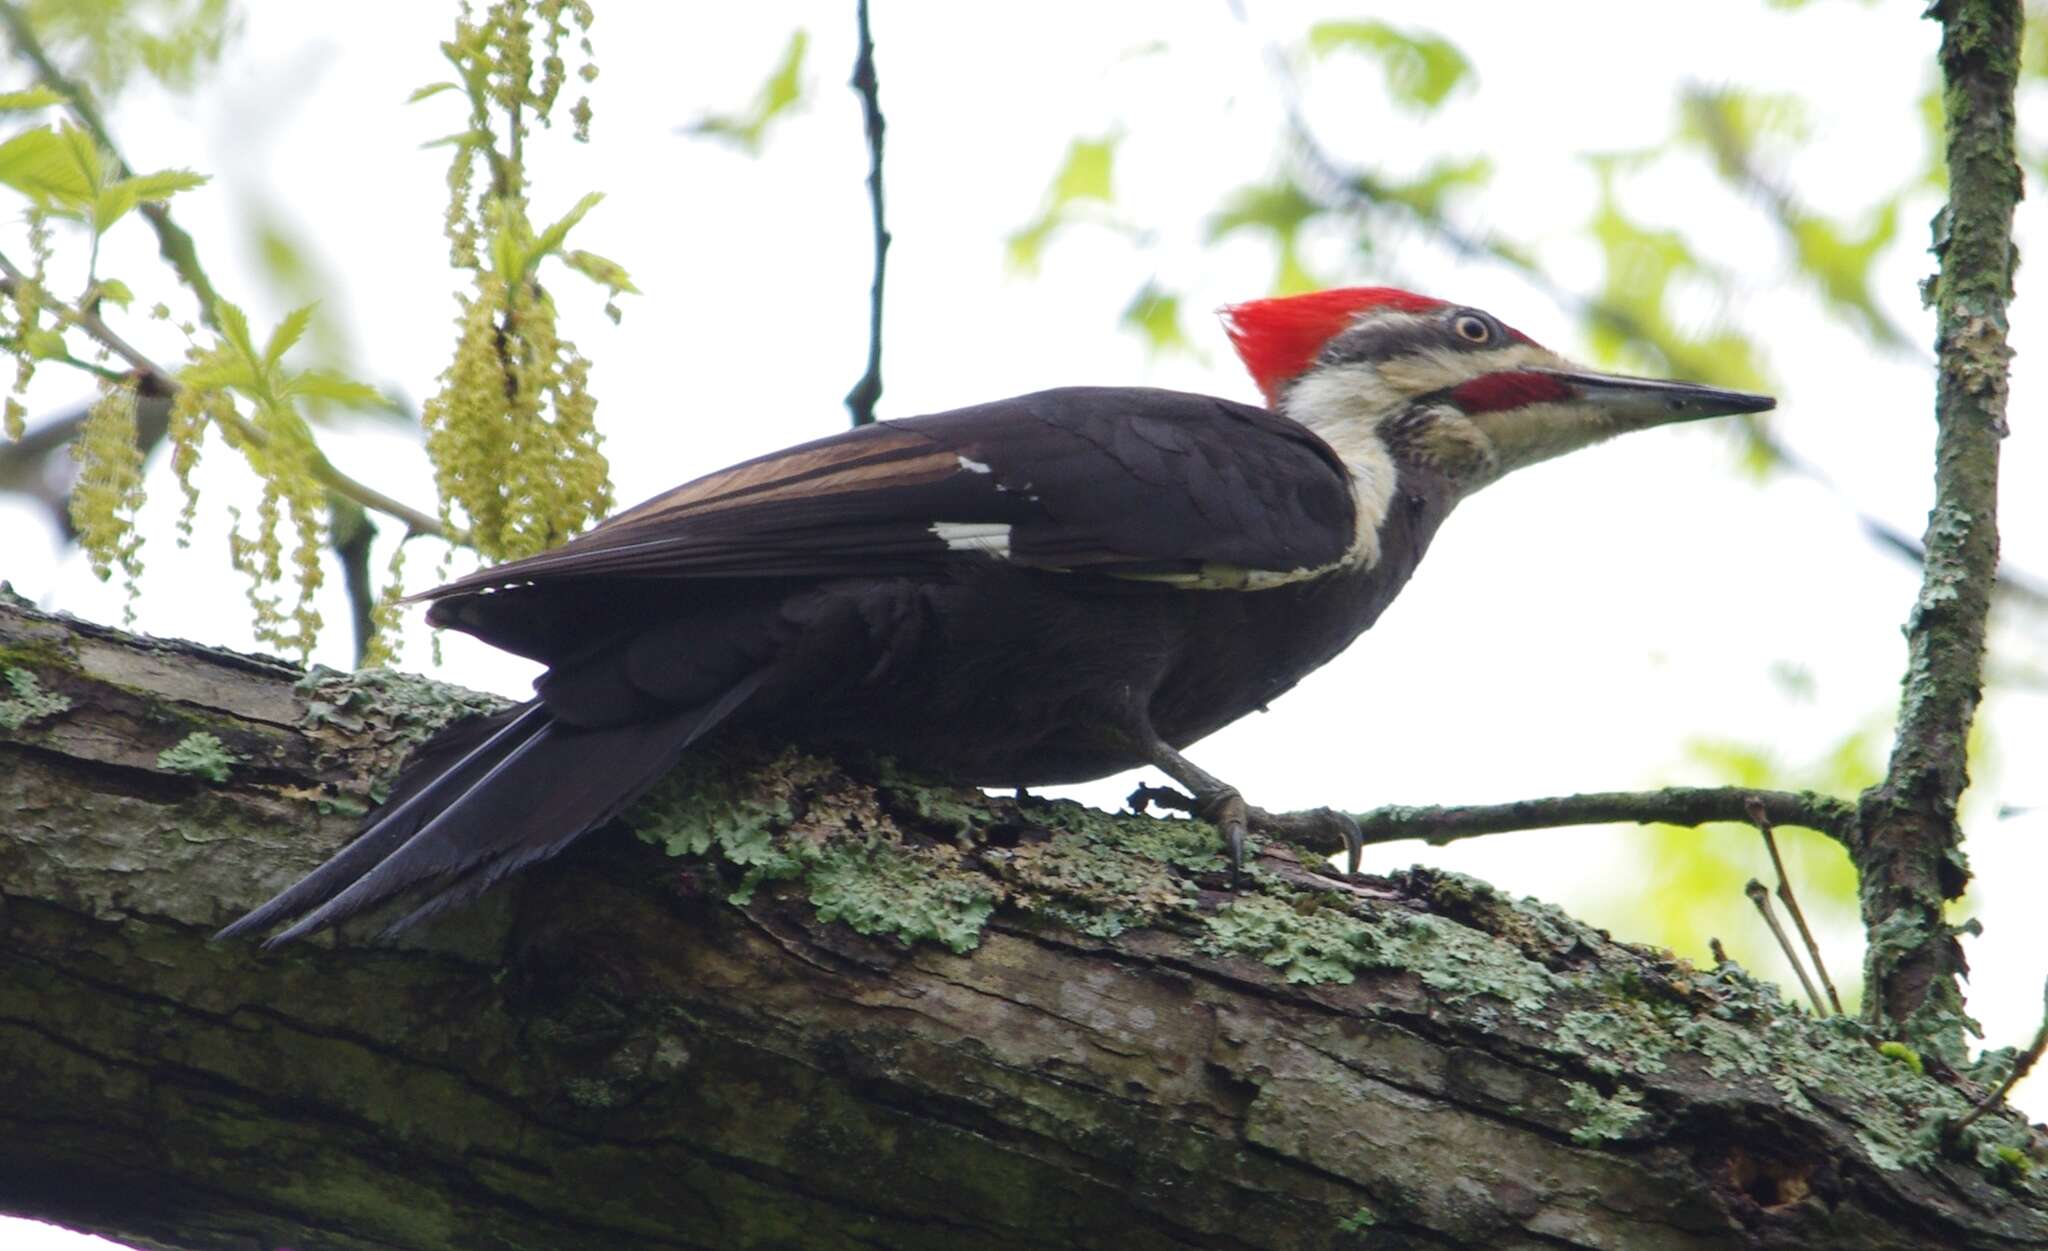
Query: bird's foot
{"type": "Point", "coordinates": [1321, 829]}
{"type": "Point", "coordinates": [1317, 828]}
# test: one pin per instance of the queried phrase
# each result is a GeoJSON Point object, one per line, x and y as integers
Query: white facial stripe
{"type": "Point", "coordinates": [1425, 372]}
{"type": "Point", "coordinates": [1329, 402]}
{"type": "Point", "coordinates": [989, 537]}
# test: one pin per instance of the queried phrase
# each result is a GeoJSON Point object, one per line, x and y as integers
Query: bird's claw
{"type": "Point", "coordinates": [1226, 810]}
{"type": "Point", "coordinates": [1315, 828]}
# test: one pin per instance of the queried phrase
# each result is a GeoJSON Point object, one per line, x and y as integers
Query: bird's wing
{"type": "Point", "coordinates": [1106, 480]}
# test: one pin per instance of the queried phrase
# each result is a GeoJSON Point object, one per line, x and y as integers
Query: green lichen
{"type": "Point", "coordinates": [199, 754]}
{"type": "Point", "coordinates": [399, 707]}
{"type": "Point", "coordinates": [1306, 941]}
{"type": "Point", "coordinates": [845, 860]}
{"type": "Point", "coordinates": [911, 895]}
{"type": "Point", "coordinates": [1313, 938]}
{"type": "Point", "coordinates": [1605, 1117]}
{"type": "Point", "coordinates": [1359, 1222]}
{"type": "Point", "coordinates": [1625, 1036]}
{"type": "Point", "coordinates": [29, 702]}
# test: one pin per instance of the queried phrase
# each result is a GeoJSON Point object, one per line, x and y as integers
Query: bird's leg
{"type": "Point", "coordinates": [1217, 801]}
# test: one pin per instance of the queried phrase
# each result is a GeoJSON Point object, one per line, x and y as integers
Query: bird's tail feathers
{"type": "Point", "coordinates": [521, 795]}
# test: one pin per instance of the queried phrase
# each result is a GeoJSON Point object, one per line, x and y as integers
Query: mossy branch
{"type": "Point", "coordinates": [1912, 863]}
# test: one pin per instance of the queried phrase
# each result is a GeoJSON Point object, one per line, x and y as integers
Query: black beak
{"type": "Point", "coordinates": [1642, 402]}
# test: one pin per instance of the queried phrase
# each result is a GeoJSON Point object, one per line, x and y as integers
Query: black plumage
{"type": "Point", "coordinates": [1045, 589]}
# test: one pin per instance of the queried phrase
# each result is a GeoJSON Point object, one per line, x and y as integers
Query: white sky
{"type": "Point", "coordinates": [1572, 629]}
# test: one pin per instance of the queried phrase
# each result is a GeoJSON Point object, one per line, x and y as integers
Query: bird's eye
{"type": "Point", "coordinates": [1472, 329]}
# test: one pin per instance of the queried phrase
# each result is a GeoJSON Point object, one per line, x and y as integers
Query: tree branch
{"type": "Point", "coordinates": [866, 392]}
{"type": "Point", "coordinates": [611, 1052]}
{"type": "Point", "coordinates": [1912, 863]}
{"type": "Point", "coordinates": [1673, 805]}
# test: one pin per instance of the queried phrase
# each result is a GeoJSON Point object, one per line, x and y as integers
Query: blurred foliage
{"type": "Point", "coordinates": [1685, 886]}
{"type": "Point", "coordinates": [106, 42]}
{"type": "Point", "coordinates": [779, 97]}
{"type": "Point", "coordinates": [512, 429]}
{"type": "Point", "coordinates": [1082, 187]}
{"type": "Point", "coordinates": [1422, 69]}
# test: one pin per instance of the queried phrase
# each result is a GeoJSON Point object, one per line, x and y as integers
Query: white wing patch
{"type": "Point", "coordinates": [974, 466]}
{"type": "Point", "coordinates": [991, 538]}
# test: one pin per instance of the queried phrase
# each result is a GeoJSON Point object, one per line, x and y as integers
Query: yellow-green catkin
{"type": "Point", "coordinates": [109, 489]}
{"type": "Point", "coordinates": [512, 430]}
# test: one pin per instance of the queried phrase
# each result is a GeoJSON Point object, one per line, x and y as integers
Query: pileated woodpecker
{"type": "Point", "coordinates": [1038, 590]}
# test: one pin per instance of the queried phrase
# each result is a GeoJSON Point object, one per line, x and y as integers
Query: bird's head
{"type": "Point", "coordinates": [1383, 373]}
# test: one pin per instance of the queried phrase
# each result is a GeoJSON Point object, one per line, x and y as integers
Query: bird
{"type": "Point", "coordinates": [1045, 589]}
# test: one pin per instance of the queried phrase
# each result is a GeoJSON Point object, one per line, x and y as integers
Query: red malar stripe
{"type": "Point", "coordinates": [1490, 393]}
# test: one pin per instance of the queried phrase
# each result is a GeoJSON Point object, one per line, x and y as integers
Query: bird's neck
{"type": "Point", "coordinates": [1353, 431]}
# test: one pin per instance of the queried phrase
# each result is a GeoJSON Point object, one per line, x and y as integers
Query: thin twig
{"type": "Point", "coordinates": [868, 391]}
{"type": "Point", "coordinates": [173, 244]}
{"type": "Point", "coordinates": [1719, 952]}
{"type": "Point", "coordinates": [1762, 899]}
{"type": "Point", "coordinates": [1762, 820]}
{"type": "Point", "coordinates": [2022, 1065]}
{"type": "Point", "coordinates": [1675, 805]}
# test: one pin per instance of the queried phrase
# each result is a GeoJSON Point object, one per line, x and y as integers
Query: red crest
{"type": "Point", "coordinates": [1278, 338]}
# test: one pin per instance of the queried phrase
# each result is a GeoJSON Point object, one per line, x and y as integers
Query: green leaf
{"type": "Point", "coordinates": [601, 270]}
{"type": "Point", "coordinates": [114, 291]}
{"type": "Point", "coordinates": [84, 152]}
{"type": "Point", "coordinates": [287, 333]}
{"type": "Point", "coordinates": [37, 97]}
{"type": "Point", "coordinates": [321, 384]}
{"type": "Point", "coordinates": [431, 89]}
{"type": "Point", "coordinates": [478, 138]}
{"type": "Point", "coordinates": [38, 164]}
{"type": "Point", "coordinates": [234, 327]}
{"type": "Point", "coordinates": [1156, 314]}
{"type": "Point", "coordinates": [550, 240]}
{"type": "Point", "coordinates": [1087, 172]}
{"type": "Point", "coordinates": [44, 344]}
{"type": "Point", "coordinates": [778, 96]}
{"type": "Point", "coordinates": [1281, 210]}
{"type": "Point", "coordinates": [165, 183]}
{"type": "Point", "coordinates": [1422, 69]}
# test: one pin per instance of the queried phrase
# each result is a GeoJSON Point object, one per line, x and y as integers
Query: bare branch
{"type": "Point", "coordinates": [1762, 820]}
{"type": "Point", "coordinates": [2022, 1064]}
{"type": "Point", "coordinates": [1674, 805]}
{"type": "Point", "coordinates": [1762, 899]}
{"type": "Point", "coordinates": [862, 399]}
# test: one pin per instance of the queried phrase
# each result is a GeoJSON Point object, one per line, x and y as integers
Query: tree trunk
{"type": "Point", "coordinates": [862, 1012]}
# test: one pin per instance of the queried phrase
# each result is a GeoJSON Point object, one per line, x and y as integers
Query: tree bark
{"type": "Point", "coordinates": [936, 1020]}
